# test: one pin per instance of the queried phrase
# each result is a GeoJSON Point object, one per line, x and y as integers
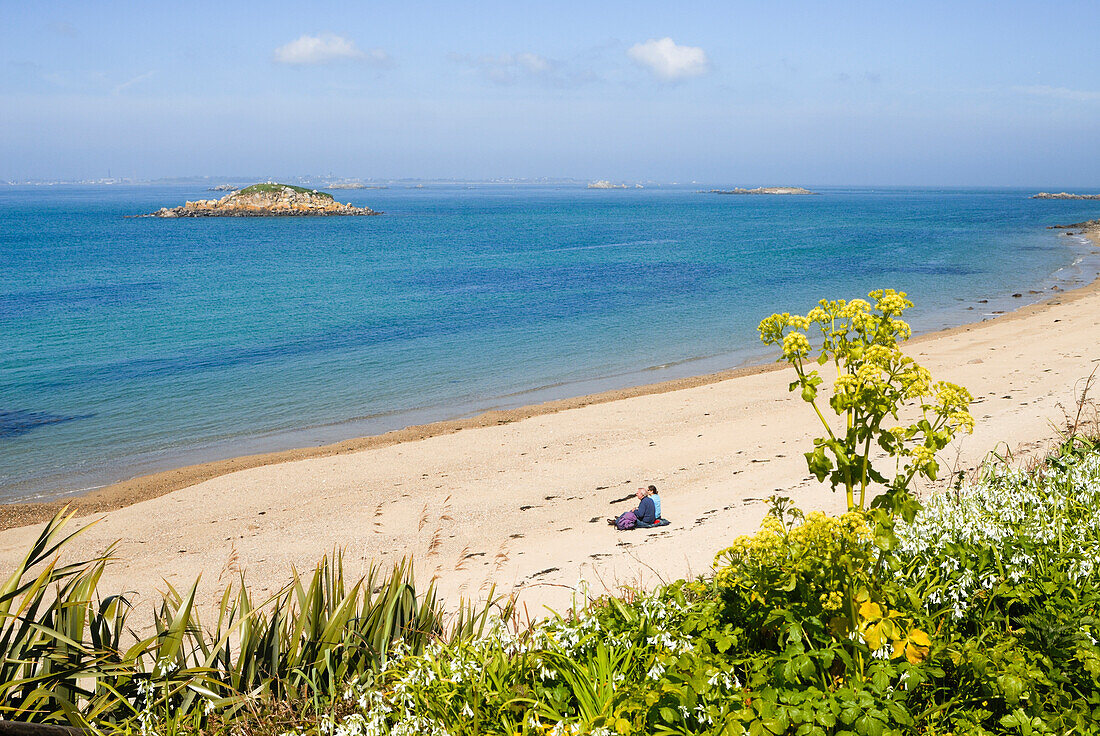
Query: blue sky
{"type": "Point", "coordinates": [966, 93]}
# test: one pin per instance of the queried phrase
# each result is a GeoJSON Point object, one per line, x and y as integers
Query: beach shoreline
{"type": "Point", "coordinates": [516, 501]}
{"type": "Point", "coordinates": [153, 485]}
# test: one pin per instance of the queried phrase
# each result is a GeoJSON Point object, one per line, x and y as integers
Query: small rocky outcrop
{"type": "Point", "coordinates": [1063, 195]}
{"type": "Point", "coordinates": [267, 200]}
{"type": "Point", "coordinates": [605, 184]}
{"type": "Point", "coordinates": [763, 190]}
{"type": "Point", "coordinates": [1090, 229]}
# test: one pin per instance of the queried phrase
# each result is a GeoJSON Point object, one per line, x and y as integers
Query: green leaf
{"type": "Point", "coordinates": [1012, 687]}
{"type": "Point", "coordinates": [776, 725]}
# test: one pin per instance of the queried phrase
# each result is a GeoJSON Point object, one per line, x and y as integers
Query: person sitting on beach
{"type": "Point", "coordinates": [652, 492]}
{"type": "Point", "coordinates": [647, 512]}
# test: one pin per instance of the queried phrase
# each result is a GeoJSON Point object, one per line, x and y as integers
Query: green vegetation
{"type": "Point", "coordinates": [69, 654]}
{"type": "Point", "coordinates": [975, 612]}
{"type": "Point", "coordinates": [272, 187]}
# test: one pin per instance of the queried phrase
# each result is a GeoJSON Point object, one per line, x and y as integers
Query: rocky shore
{"type": "Point", "coordinates": [1089, 228]}
{"type": "Point", "coordinates": [1063, 195]}
{"type": "Point", "coordinates": [763, 190]}
{"type": "Point", "coordinates": [266, 200]}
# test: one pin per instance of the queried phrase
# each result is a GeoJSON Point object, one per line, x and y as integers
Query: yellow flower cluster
{"type": "Point", "coordinates": [952, 397]}
{"type": "Point", "coordinates": [771, 328]}
{"type": "Point", "coordinates": [915, 380]}
{"type": "Point", "coordinates": [839, 318]}
{"type": "Point", "coordinates": [795, 344]}
{"type": "Point", "coordinates": [846, 383]}
{"type": "Point", "coordinates": [963, 420]}
{"type": "Point", "coordinates": [900, 328]}
{"type": "Point", "coordinates": [880, 355]}
{"type": "Point", "coordinates": [862, 322]}
{"type": "Point", "coordinates": [854, 308]}
{"type": "Point", "coordinates": [890, 302]}
{"type": "Point", "coordinates": [759, 564]}
{"type": "Point", "coordinates": [869, 375]}
{"type": "Point", "coordinates": [922, 456]}
{"type": "Point", "coordinates": [798, 322]}
{"type": "Point", "coordinates": [875, 381]}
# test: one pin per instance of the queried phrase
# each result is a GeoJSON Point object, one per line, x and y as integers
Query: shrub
{"type": "Point", "coordinates": [799, 563]}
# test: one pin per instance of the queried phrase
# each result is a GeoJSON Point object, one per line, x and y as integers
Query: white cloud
{"type": "Point", "coordinates": [533, 63]}
{"type": "Point", "coordinates": [669, 61]}
{"type": "Point", "coordinates": [509, 68]}
{"type": "Point", "coordinates": [131, 82]}
{"type": "Point", "coordinates": [1061, 93]}
{"type": "Point", "coordinates": [327, 47]}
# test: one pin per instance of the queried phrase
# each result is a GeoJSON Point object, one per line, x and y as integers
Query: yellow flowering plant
{"type": "Point", "coordinates": [800, 561]}
{"type": "Point", "coordinates": [874, 381]}
{"type": "Point", "coordinates": [822, 573]}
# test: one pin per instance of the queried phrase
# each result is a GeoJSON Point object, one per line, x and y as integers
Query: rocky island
{"type": "Point", "coordinates": [1063, 195]}
{"type": "Point", "coordinates": [605, 184]}
{"type": "Point", "coordinates": [763, 190]}
{"type": "Point", "coordinates": [266, 200]}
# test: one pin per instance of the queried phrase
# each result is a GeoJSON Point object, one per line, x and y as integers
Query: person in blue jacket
{"type": "Point", "coordinates": [649, 508]}
{"type": "Point", "coordinates": [652, 492]}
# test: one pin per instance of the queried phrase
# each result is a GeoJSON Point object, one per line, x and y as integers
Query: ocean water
{"type": "Point", "coordinates": [133, 345]}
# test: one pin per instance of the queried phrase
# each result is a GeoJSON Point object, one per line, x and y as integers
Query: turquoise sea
{"type": "Point", "coordinates": [133, 345]}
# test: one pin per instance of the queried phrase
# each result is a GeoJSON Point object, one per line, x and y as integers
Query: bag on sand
{"type": "Point", "coordinates": [626, 520]}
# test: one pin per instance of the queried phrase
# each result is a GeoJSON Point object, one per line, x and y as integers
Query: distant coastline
{"type": "Point", "coordinates": [763, 190]}
{"type": "Point", "coordinates": [356, 185]}
{"type": "Point", "coordinates": [605, 184]}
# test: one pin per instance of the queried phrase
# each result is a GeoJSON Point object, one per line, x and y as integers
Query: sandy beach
{"type": "Point", "coordinates": [519, 498]}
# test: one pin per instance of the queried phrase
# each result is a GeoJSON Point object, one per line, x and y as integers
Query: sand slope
{"type": "Point", "coordinates": [528, 498]}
